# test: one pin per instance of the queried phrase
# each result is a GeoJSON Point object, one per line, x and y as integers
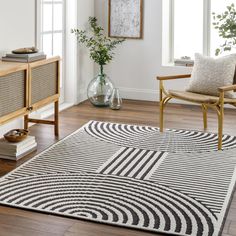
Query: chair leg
{"type": "Point", "coordinates": [161, 116]}
{"type": "Point", "coordinates": [163, 102]}
{"type": "Point", "coordinates": [220, 112]}
{"type": "Point", "coordinates": [204, 111]}
{"type": "Point", "coordinates": [161, 105]}
{"type": "Point", "coordinates": [220, 126]}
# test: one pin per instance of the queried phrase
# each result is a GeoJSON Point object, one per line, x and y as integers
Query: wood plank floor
{"type": "Point", "coordinates": [15, 222]}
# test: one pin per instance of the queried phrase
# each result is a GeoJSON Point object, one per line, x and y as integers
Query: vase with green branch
{"type": "Point", "coordinates": [225, 23]}
{"type": "Point", "coordinates": [101, 50]}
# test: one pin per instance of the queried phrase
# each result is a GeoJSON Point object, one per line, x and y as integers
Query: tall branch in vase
{"type": "Point", "coordinates": [101, 47]}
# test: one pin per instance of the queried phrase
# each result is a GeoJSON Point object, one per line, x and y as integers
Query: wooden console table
{"type": "Point", "coordinates": [26, 87]}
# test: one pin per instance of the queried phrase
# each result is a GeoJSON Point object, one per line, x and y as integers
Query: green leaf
{"type": "Point", "coordinates": [100, 47]}
{"type": "Point", "coordinates": [225, 24]}
{"type": "Point", "coordinates": [217, 52]}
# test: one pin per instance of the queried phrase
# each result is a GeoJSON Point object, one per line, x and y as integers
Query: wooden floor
{"type": "Point", "coordinates": [15, 222]}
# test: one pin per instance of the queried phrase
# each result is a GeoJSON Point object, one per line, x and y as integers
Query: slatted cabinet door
{"type": "Point", "coordinates": [13, 91]}
{"type": "Point", "coordinates": [44, 88]}
{"type": "Point", "coordinates": [44, 78]}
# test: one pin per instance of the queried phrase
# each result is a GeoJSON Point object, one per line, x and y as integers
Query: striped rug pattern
{"type": "Point", "coordinates": [174, 182]}
{"type": "Point", "coordinates": [149, 138]}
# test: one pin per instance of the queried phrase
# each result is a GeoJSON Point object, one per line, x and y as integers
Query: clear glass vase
{"type": "Point", "coordinates": [116, 100]}
{"type": "Point", "coordinates": [100, 90]}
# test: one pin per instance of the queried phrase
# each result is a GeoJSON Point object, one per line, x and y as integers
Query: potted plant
{"type": "Point", "coordinates": [101, 51]}
{"type": "Point", "coordinates": [225, 23]}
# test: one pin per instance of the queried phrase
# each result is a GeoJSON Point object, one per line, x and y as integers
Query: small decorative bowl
{"type": "Point", "coordinates": [28, 50]}
{"type": "Point", "coordinates": [16, 135]}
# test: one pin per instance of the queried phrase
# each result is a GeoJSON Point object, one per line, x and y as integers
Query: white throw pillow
{"type": "Point", "coordinates": [209, 74]}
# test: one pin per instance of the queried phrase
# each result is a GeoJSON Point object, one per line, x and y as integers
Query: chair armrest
{"type": "Point", "coordinates": [173, 77]}
{"type": "Point", "coordinates": [227, 88]}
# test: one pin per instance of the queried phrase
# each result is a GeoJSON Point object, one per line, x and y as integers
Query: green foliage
{"type": "Point", "coordinates": [101, 47]}
{"type": "Point", "coordinates": [225, 23]}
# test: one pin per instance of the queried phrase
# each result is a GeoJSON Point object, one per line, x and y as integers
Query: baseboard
{"type": "Point", "coordinates": [144, 95]}
{"type": "Point", "coordinates": [139, 94]}
{"type": "Point", "coordinates": [49, 110]}
{"type": "Point", "coordinates": [82, 96]}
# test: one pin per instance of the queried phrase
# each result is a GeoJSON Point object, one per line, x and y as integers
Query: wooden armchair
{"type": "Point", "coordinates": [206, 101]}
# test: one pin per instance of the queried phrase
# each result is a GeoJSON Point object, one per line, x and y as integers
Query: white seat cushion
{"type": "Point", "coordinates": [209, 74]}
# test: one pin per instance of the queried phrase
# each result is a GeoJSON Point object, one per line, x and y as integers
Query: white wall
{"type": "Point", "coordinates": [84, 64]}
{"type": "Point", "coordinates": [17, 29]}
{"type": "Point", "coordinates": [138, 62]}
{"type": "Point", "coordinates": [17, 24]}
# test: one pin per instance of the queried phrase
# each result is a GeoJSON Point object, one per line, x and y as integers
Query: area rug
{"type": "Point", "coordinates": [174, 182]}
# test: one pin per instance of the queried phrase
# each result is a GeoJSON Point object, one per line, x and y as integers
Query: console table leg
{"type": "Point", "coordinates": [56, 118]}
{"type": "Point", "coordinates": [26, 122]}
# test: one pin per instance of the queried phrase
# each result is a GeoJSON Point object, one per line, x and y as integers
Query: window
{"type": "Point", "coordinates": [51, 27]}
{"type": "Point", "coordinates": [190, 27]}
{"type": "Point", "coordinates": [50, 30]}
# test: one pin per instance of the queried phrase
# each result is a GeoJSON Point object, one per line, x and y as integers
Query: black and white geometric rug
{"type": "Point", "coordinates": [174, 182]}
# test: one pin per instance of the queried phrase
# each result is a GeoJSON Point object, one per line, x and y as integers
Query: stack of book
{"type": "Point", "coordinates": [14, 151]}
{"type": "Point", "coordinates": [24, 57]}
